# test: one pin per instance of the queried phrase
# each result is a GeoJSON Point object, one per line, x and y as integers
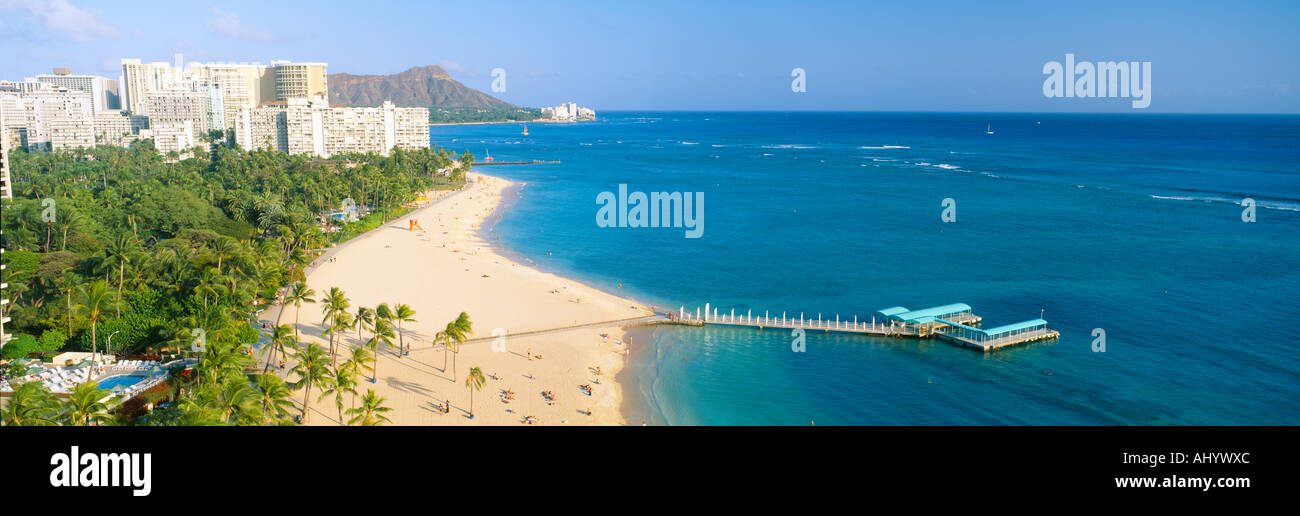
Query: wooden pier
{"type": "Point", "coordinates": [787, 322]}
{"type": "Point", "coordinates": [881, 327]}
{"type": "Point", "coordinates": [533, 162]}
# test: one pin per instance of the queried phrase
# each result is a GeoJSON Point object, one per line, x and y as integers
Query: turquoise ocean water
{"type": "Point", "coordinates": [1128, 223]}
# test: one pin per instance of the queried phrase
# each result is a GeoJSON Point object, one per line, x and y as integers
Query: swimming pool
{"type": "Point", "coordinates": [120, 381]}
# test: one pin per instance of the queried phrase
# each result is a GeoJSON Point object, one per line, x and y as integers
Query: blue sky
{"type": "Point", "coordinates": [1235, 57]}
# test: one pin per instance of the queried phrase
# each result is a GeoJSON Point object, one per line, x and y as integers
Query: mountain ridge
{"type": "Point", "coordinates": [426, 86]}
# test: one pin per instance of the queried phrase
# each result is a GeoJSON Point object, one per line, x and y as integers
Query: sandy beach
{"type": "Point", "coordinates": [568, 329]}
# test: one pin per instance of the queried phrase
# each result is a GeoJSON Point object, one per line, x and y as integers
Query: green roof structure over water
{"type": "Point", "coordinates": [893, 310]}
{"type": "Point", "coordinates": [1013, 327]}
{"type": "Point", "coordinates": [932, 312]}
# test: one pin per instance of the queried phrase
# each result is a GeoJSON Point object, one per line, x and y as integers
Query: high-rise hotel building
{"type": "Point", "coordinates": [241, 85]}
{"type": "Point", "coordinates": [48, 118]}
{"type": "Point", "coordinates": [300, 126]}
{"type": "Point", "coordinates": [176, 107]}
{"type": "Point", "coordinates": [102, 90]}
{"type": "Point", "coordinates": [300, 80]}
{"type": "Point", "coordinates": [6, 193]}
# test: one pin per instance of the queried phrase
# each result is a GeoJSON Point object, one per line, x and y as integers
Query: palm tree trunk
{"type": "Point", "coordinates": [121, 269]}
{"type": "Point", "coordinates": [93, 349]}
{"type": "Point", "coordinates": [69, 312]}
{"type": "Point", "coordinates": [471, 402]}
{"type": "Point", "coordinates": [305, 396]}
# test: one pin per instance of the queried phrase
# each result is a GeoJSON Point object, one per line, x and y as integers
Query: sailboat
{"type": "Point", "coordinates": [525, 130]}
{"type": "Point", "coordinates": [489, 155]}
{"type": "Point", "coordinates": [989, 129]}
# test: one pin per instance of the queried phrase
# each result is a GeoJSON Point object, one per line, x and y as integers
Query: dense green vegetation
{"type": "Point", "coordinates": [448, 115]}
{"type": "Point", "coordinates": [158, 251]}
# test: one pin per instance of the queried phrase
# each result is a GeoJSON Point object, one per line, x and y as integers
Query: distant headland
{"type": "Point", "coordinates": [448, 100]}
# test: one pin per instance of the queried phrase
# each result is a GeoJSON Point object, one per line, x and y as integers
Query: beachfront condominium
{"type": "Point", "coordinates": [302, 126]}
{"type": "Point", "coordinates": [13, 124]}
{"type": "Point", "coordinates": [48, 118]}
{"type": "Point", "coordinates": [55, 118]}
{"type": "Point", "coordinates": [118, 127]}
{"type": "Point", "coordinates": [6, 193]}
{"type": "Point", "coordinates": [300, 80]}
{"type": "Point", "coordinates": [176, 107]}
{"type": "Point", "coordinates": [177, 136]}
{"type": "Point", "coordinates": [6, 188]}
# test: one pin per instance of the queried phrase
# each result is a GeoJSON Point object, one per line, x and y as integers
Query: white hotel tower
{"type": "Point", "coordinates": [6, 194]}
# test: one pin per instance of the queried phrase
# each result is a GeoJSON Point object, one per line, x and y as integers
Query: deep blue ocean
{"type": "Point", "coordinates": [1128, 223]}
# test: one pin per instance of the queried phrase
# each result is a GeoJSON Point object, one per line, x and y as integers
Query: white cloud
{"type": "Point", "coordinates": [447, 64]}
{"type": "Point", "coordinates": [61, 16]}
{"type": "Point", "coordinates": [227, 24]}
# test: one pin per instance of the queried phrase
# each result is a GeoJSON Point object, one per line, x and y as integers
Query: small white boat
{"type": "Point", "coordinates": [989, 129]}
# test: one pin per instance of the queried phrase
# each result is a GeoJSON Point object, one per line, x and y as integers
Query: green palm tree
{"type": "Point", "coordinates": [299, 294]}
{"type": "Point", "coordinates": [238, 401]}
{"type": "Point", "coordinates": [383, 335]}
{"type": "Point", "coordinates": [360, 360]}
{"type": "Point", "coordinates": [120, 250]}
{"type": "Point", "coordinates": [65, 219]}
{"type": "Point", "coordinates": [311, 370]}
{"type": "Point", "coordinates": [280, 341]}
{"type": "Point", "coordinates": [456, 333]}
{"type": "Point", "coordinates": [207, 284]}
{"type": "Point", "coordinates": [66, 285]}
{"type": "Point", "coordinates": [224, 247]}
{"type": "Point", "coordinates": [84, 406]}
{"type": "Point", "coordinates": [273, 396]}
{"type": "Point", "coordinates": [95, 299]}
{"type": "Point", "coordinates": [474, 382]}
{"type": "Point", "coordinates": [32, 405]}
{"type": "Point", "coordinates": [371, 412]}
{"type": "Point", "coordinates": [221, 358]}
{"type": "Point", "coordinates": [343, 381]}
{"type": "Point", "coordinates": [365, 320]}
{"type": "Point", "coordinates": [334, 305]}
{"type": "Point", "coordinates": [402, 313]}
{"type": "Point", "coordinates": [177, 333]}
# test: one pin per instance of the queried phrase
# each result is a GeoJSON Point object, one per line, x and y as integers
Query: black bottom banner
{"type": "Point", "coordinates": [146, 465]}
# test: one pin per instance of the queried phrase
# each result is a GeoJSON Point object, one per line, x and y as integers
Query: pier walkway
{"type": "Point", "coordinates": [533, 162]}
{"type": "Point", "coordinates": [951, 323]}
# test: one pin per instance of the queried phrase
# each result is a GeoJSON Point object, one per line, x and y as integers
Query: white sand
{"type": "Point", "coordinates": [447, 269]}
